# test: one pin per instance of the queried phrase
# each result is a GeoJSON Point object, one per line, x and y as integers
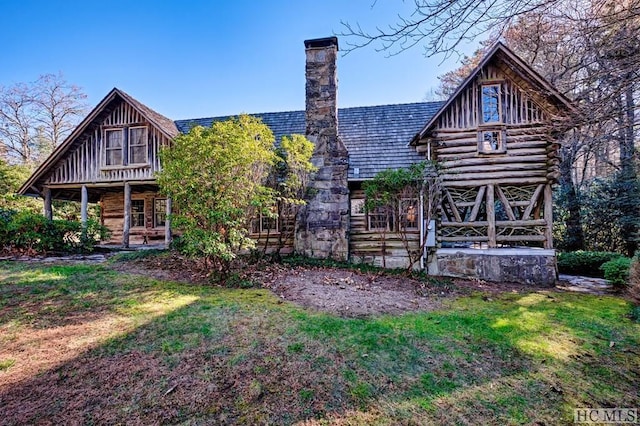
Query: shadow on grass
{"type": "Point", "coordinates": [243, 357]}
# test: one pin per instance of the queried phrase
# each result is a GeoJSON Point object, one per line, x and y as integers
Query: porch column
{"type": "Point", "coordinates": [167, 223]}
{"type": "Point", "coordinates": [47, 210]}
{"type": "Point", "coordinates": [491, 216]}
{"type": "Point", "coordinates": [127, 215]}
{"type": "Point", "coordinates": [548, 216]}
{"type": "Point", "coordinates": [84, 202]}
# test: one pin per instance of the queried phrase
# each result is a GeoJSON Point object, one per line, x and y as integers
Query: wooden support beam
{"type": "Point", "coordinates": [167, 223]}
{"type": "Point", "coordinates": [84, 204]}
{"type": "Point", "coordinates": [491, 216]}
{"type": "Point", "coordinates": [48, 209]}
{"type": "Point", "coordinates": [505, 203]}
{"type": "Point", "coordinates": [532, 202]}
{"type": "Point", "coordinates": [477, 204]}
{"type": "Point", "coordinates": [127, 215]}
{"type": "Point", "coordinates": [548, 216]}
{"type": "Point", "coordinates": [452, 204]}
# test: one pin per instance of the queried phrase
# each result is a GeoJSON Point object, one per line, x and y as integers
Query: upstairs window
{"type": "Point", "coordinates": [125, 146]}
{"type": "Point", "coordinates": [491, 105]}
{"type": "Point", "coordinates": [113, 147]}
{"type": "Point", "coordinates": [138, 145]}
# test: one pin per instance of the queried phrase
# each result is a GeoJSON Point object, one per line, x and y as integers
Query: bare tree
{"type": "Point", "coordinates": [36, 117]}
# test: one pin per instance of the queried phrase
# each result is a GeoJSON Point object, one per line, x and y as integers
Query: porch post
{"type": "Point", "coordinates": [491, 216]}
{"type": "Point", "coordinates": [84, 202]}
{"type": "Point", "coordinates": [127, 215]}
{"type": "Point", "coordinates": [47, 210]}
{"type": "Point", "coordinates": [548, 216]}
{"type": "Point", "coordinates": [167, 223]}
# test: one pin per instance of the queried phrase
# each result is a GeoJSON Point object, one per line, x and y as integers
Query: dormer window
{"type": "Point", "coordinates": [491, 105]}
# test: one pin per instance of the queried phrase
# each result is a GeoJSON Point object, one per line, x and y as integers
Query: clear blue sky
{"type": "Point", "coordinates": [189, 59]}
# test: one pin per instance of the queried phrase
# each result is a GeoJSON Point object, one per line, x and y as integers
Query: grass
{"type": "Point", "coordinates": [84, 344]}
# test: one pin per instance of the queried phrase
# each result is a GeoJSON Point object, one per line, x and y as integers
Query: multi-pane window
{"type": "Point", "coordinates": [491, 141]}
{"type": "Point", "coordinates": [380, 219]}
{"type": "Point", "coordinates": [491, 103]}
{"type": "Point", "coordinates": [137, 213]}
{"type": "Point", "coordinates": [266, 223]}
{"type": "Point", "coordinates": [124, 146]}
{"type": "Point", "coordinates": [159, 212]}
{"type": "Point", "coordinates": [357, 207]}
{"type": "Point", "coordinates": [138, 145]}
{"type": "Point", "coordinates": [113, 147]}
{"type": "Point", "coordinates": [408, 214]}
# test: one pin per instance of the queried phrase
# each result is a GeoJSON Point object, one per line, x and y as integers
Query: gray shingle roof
{"type": "Point", "coordinates": [376, 137]}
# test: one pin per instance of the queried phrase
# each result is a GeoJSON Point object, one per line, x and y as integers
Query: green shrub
{"type": "Point", "coordinates": [585, 263]}
{"type": "Point", "coordinates": [26, 231]}
{"type": "Point", "coordinates": [616, 271]}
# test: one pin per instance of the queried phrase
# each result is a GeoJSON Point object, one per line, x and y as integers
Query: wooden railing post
{"type": "Point", "coordinates": [127, 215]}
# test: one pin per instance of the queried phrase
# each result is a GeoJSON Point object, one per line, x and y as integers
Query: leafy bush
{"type": "Point", "coordinates": [33, 233]}
{"type": "Point", "coordinates": [585, 263]}
{"type": "Point", "coordinates": [616, 271]}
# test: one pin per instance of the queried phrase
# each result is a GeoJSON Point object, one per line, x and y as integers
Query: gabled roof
{"type": "Point", "coordinates": [162, 123]}
{"type": "Point", "coordinates": [376, 137]}
{"type": "Point", "coordinates": [517, 65]}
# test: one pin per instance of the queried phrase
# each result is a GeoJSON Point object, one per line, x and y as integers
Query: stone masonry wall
{"type": "Point", "coordinates": [322, 225]}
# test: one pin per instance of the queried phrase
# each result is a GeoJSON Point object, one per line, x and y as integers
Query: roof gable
{"type": "Point", "coordinates": [162, 123]}
{"type": "Point", "coordinates": [500, 53]}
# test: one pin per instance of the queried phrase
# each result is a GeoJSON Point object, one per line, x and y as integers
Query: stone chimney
{"type": "Point", "coordinates": [323, 224]}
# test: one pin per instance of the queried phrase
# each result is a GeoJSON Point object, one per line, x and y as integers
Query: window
{"type": "Point", "coordinates": [138, 145]}
{"type": "Point", "coordinates": [113, 147]}
{"type": "Point", "coordinates": [408, 214]}
{"type": "Point", "coordinates": [125, 146]}
{"type": "Point", "coordinates": [490, 142]}
{"type": "Point", "coordinates": [357, 207]}
{"type": "Point", "coordinates": [380, 219]}
{"type": "Point", "coordinates": [266, 223]}
{"type": "Point", "coordinates": [491, 104]}
{"type": "Point", "coordinates": [159, 212]}
{"type": "Point", "coordinates": [137, 213]}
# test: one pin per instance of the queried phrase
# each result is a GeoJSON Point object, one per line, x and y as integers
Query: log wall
{"type": "Point", "coordinates": [501, 198]}
{"type": "Point", "coordinates": [86, 162]}
{"type": "Point", "coordinates": [374, 247]}
{"type": "Point", "coordinates": [112, 216]}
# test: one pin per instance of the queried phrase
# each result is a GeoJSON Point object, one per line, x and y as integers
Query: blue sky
{"type": "Point", "coordinates": [189, 59]}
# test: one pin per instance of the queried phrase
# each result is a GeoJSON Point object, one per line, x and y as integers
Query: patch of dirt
{"type": "Point", "coordinates": [344, 292]}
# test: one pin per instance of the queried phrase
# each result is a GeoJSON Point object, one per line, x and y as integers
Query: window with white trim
{"type": "Point", "coordinates": [491, 141]}
{"type": "Point", "coordinates": [266, 223]}
{"type": "Point", "coordinates": [380, 218]}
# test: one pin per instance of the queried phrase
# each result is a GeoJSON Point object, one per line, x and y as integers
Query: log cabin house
{"type": "Point", "coordinates": [494, 141]}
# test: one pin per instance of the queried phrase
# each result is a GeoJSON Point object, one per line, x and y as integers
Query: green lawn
{"type": "Point", "coordinates": [88, 345]}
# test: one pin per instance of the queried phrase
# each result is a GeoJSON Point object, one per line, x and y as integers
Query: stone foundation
{"type": "Point", "coordinates": [526, 266]}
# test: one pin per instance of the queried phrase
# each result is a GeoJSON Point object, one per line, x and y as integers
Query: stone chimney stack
{"type": "Point", "coordinates": [323, 224]}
